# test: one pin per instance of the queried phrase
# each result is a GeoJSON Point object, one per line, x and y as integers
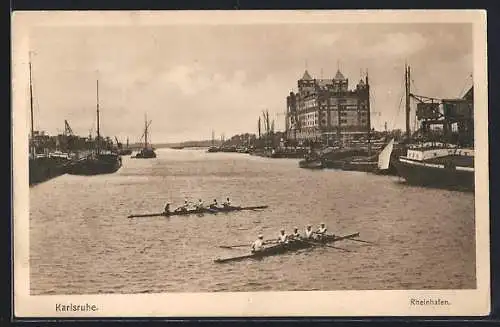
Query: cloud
{"type": "Point", "coordinates": [395, 45]}
{"type": "Point", "coordinates": [327, 39]}
{"type": "Point", "coordinates": [190, 80]}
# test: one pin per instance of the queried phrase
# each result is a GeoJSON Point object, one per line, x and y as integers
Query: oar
{"type": "Point", "coordinates": [233, 246]}
{"type": "Point", "coordinates": [241, 245]}
{"type": "Point", "coordinates": [147, 215]}
{"type": "Point", "coordinates": [362, 241]}
{"type": "Point", "coordinates": [335, 247]}
{"type": "Point", "coordinates": [328, 246]}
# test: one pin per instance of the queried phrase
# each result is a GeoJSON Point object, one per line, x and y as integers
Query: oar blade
{"type": "Point", "coordinates": [232, 259]}
{"type": "Point", "coordinates": [362, 241]}
{"type": "Point", "coordinates": [158, 214]}
{"type": "Point", "coordinates": [233, 246]}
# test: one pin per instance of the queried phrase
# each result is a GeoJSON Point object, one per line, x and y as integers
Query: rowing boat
{"type": "Point", "coordinates": [293, 245]}
{"type": "Point", "coordinates": [196, 211]}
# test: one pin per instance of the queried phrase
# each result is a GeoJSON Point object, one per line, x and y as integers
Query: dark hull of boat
{"type": "Point", "coordinates": [149, 154]}
{"type": "Point", "coordinates": [440, 177]}
{"type": "Point", "coordinates": [44, 169]}
{"type": "Point", "coordinates": [311, 164]}
{"type": "Point", "coordinates": [360, 166]}
{"type": "Point", "coordinates": [144, 157]}
{"type": "Point", "coordinates": [391, 171]}
{"type": "Point", "coordinates": [333, 164]}
{"type": "Point", "coordinates": [344, 154]}
{"type": "Point", "coordinates": [125, 152]}
{"type": "Point", "coordinates": [289, 155]}
{"type": "Point", "coordinates": [104, 164]}
{"type": "Point", "coordinates": [291, 246]}
{"type": "Point", "coordinates": [196, 211]}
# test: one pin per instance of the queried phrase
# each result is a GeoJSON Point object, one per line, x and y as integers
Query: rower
{"type": "Point", "coordinates": [309, 232]}
{"type": "Point", "coordinates": [200, 204]}
{"type": "Point", "coordinates": [296, 234]}
{"type": "Point", "coordinates": [282, 238]}
{"type": "Point", "coordinates": [227, 203]}
{"type": "Point", "coordinates": [167, 209]}
{"type": "Point", "coordinates": [214, 205]}
{"type": "Point", "coordinates": [258, 244]}
{"type": "Point", "coordinates": [184, 207]}
{"type": "Point", "coordinates": [321, 230]}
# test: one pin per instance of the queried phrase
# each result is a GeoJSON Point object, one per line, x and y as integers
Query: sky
{"type": "Point", "coordinates": [192, 79]}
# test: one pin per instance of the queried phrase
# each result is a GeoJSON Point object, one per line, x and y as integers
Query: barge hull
{"type": "Point", "coordinates": [422, 174]}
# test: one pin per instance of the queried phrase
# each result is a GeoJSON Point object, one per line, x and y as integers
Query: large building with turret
{"type": "Point", "coordinates": [327, 110]}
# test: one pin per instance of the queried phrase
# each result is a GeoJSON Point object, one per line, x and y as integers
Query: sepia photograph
{"type": "Point", "coordinates": [230, 163]}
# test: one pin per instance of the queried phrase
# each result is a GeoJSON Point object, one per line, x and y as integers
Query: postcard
{"type": "Point", "coordinates": [250, 163]}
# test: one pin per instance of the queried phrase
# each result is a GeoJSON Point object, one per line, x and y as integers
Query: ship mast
{"type": "Point", "coordinates": [368, 115]}
{"type": "Point", "coordinates": [407, 107]}
{"type": "Point", "coordinates": [145, 131]}
{"type": "Point", "coordinates": [32, 143]}
{"type": "Point", "coordinates": [98, 131]}
{"type": "Point", "coordinates": [259, 128]}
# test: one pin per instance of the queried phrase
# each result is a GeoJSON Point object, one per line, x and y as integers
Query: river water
{"type": "Point", "coordinates": [81, 241]}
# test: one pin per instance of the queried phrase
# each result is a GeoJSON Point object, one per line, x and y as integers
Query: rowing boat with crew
{"type": "Point", "coordinates": [289, 246]}
{"type": "Point", "coordinates": [187, 212]}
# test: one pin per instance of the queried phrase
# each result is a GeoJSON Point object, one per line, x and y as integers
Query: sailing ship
{"type": "Point", "coordinates": [146, 152]}
{"type": "Point", "coordinates": [42, 166]}
{"type": "Point", "coordinates": [100, 161]}
{"type": "Point", "coordinates": [212, 147]}
{"type": "Point", "coordinates": [447, 162]}
{"type": "Point", "coordinates": [123, 151]}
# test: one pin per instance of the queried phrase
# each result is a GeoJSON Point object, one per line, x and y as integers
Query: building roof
{"type": "Point", "coordinates": [339, 76]}
{"type": "Point", "coordinates": [306, 76]}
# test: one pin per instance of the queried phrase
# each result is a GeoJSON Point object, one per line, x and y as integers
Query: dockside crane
{"type": "Point", "coordinates": [67, 129]}
{"type": "Point", "coordinates": [69, 138]}
{"type": "Point", "coordinates": [118, 144]}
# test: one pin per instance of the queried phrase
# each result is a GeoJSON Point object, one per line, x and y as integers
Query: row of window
{"type": "Point", "coordinates": [352, 106]}
{"type": "Point", "coordinates": [312, 123]}
{"type": "Point", "coordinates": [344, 113]}
{"type": "Point", "coordinates": [350, 113]}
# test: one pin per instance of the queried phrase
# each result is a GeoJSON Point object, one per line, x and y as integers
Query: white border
{"type": "Point", "coordinates": [337, 303]}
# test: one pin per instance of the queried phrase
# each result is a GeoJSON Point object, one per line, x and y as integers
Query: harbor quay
{"type": "Point", "coordinates": [327, 125]}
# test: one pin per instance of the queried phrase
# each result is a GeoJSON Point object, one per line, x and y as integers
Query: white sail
{"type": "Point", "coordinates": [385, 156]}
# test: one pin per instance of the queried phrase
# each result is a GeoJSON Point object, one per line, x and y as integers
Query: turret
{"type": "Point", "coordinates": [306, 84]}
{"type": "Point", "coordinates": [340, 83]}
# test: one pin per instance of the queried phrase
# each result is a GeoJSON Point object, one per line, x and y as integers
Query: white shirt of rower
{"type": "Point", "coordinates": [282, 238]}
{"type": "Point", "coordinates": [257, 245]}
{"type": "Point", "coordinates": [309, 233]}
{"type": "Point", "coordinates": [227, 203]}
{"type": "Point", "coordinates": [322, 230]}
